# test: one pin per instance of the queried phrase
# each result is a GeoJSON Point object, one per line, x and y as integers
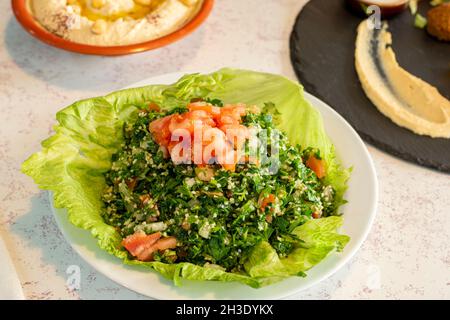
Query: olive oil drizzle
{"type": "Point", "coordinates": [137, 12]}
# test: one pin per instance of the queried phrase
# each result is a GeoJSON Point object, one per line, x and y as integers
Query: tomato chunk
{"type": "Point", "coordinates": [139, 243]}
{"type": "Point", "coordinates": [166, 243]}
{"type": "Point", "coordinates": [265, 201]}
{"type": "Point", "coordinates": [153, 107]}
{"type": "Point", "coordinates": [143, 246]}
{"type": "Point", "coordinates": [203, 106]}
{"type": "Point", "coordinates": [316, 165]}
{"type": "Point", "coordinates": [160, 130]}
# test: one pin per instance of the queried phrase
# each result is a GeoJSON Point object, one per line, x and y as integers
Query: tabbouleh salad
{"type": "Point", "coordinates": [210, 215]}
{"type": "Point", "coordinates": [229, 215]}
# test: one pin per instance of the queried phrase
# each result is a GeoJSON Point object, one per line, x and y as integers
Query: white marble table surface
{"type": "Point", "coordinates": [405, 256]}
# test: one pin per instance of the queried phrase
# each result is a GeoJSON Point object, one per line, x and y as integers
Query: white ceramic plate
{"type": "Point", "coordinates": [362, 196]}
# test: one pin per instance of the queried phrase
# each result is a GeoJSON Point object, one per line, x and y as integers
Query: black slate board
{"type": "Point", "coordinates": [322, 52]}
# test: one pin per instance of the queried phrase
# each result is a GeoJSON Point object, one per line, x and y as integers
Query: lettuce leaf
{"type": "Point", "coordinates": [72, 162]}
{"type": "Point", "coordinates": [319, 238]}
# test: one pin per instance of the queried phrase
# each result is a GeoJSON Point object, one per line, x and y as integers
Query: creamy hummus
{"type": "Point", "coordinates": [404, 98]}
{"type": "Point", "coordinates": [113, 22]}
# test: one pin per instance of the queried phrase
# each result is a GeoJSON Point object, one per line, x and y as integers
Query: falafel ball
{"type": "Point", "coordinates": [439, 22]}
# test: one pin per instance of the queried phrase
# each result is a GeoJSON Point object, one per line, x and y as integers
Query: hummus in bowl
{"type": "Point", "coordinates": [113, 22]}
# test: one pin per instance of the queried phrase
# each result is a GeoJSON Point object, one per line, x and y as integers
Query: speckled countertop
{"type": "Point", "coordinates": [405, 256]}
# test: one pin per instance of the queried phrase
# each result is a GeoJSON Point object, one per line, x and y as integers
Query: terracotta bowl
{"type": "Point", "coordinates": [26, 19]}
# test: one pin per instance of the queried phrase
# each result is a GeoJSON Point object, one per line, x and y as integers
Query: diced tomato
{"type": "Point", "coordinates": [265, 201]}
{"type": "Point", "coordinates": [203, 116]}
{"type": "Point", "coordinates": [230, 166]}
{"type": "Point", "coordinates": [316, 215]}
{"type": "Point", "coordinates": [153, 107]}
{"type": "Point", "coordinates": [208, 118]}
{"type": "Point", "coordinates": [187, 121]}
{"type": "Point", "coordinates": [237, 128]}
{"type": "Point", "coordinates": [203, 106]}
{"type": "Point", "coordinates": [236, 110]}
{"type": "Point", "coordinates": [160, 130]}
{"type": "Point", "coordinates": [316, 165]}
{"type": "Point", "coordinates": [166, 243]}
{"type": "Point", "coordinates": [139, 244]}
{"type": "Point", "coordinates": [231, 115]}
{"type": "Point", "coordinates": [179, 122]}
{"type": "Point", "coordinates": [143, 246]}
{"type": "Point", "coordinates": [226, 120]}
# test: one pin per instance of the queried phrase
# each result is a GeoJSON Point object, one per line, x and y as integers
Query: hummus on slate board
{"type": "Point", "coordinates": [404, 98]}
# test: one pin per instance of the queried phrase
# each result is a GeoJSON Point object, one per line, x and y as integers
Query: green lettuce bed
{"type": "Point", "coordinates": [72, 162]}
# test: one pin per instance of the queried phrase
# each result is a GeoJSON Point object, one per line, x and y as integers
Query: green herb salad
{"type": "Point", "coordinates": [109, 164]}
